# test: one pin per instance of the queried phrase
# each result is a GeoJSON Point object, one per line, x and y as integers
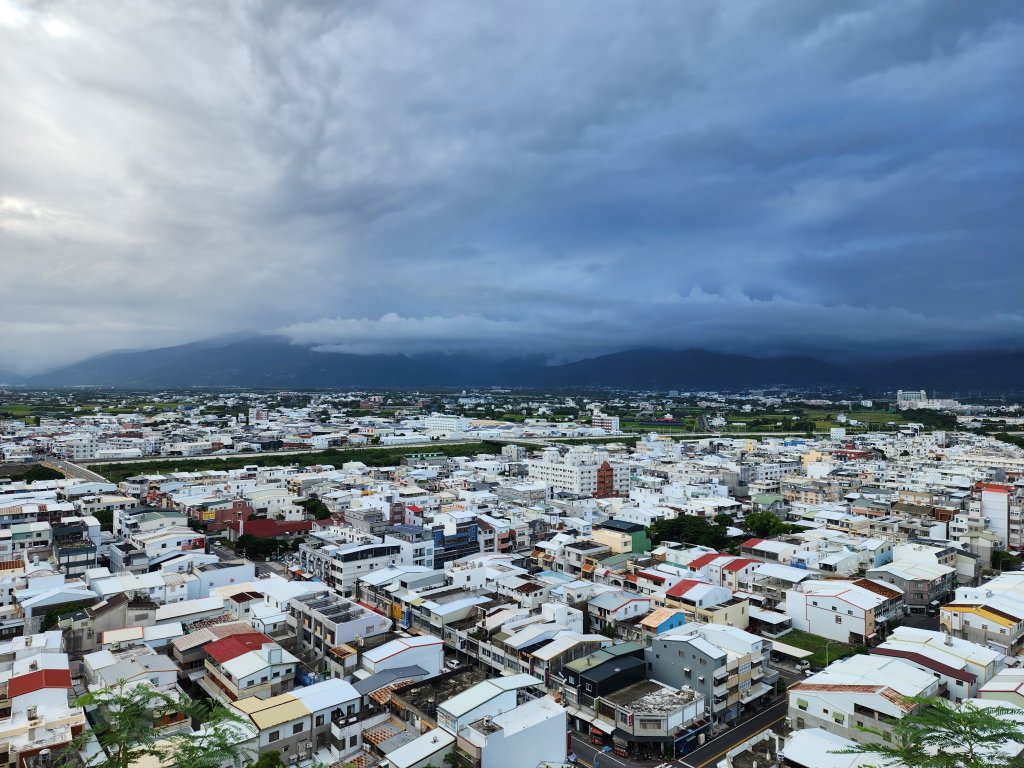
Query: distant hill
{"type": "Point", "coordinates": [272, 362]}
{"type": "Point", "coordinates": [8, 377]}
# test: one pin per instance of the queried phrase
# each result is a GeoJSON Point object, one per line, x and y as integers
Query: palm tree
{"type": "Point", "coordinates": [939, 734]}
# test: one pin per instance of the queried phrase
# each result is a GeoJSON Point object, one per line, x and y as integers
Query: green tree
{"type": "Point", "coordinates": [689, 529]}
{"type": "Point", "coordinates": [1004, 561]}
{"type": "Point", "coordinates": [125, 730]}
{"type": "Point", "coordinates": [939, 734]}
{"type": "Point", "coordinates": [723, 519]}
{"type": "Point", "coordinates": [106, 519]}
{"type": "Point", "coordinates": [765, 524]}
{"type": "Point", "coordinates": [271, 759]}
{"type": "Point", "coordinates": [39, 472]}
{"type": "Point", "coordinates": [53, 615]}
{"type": "Point", "coordinates": [316, 508]}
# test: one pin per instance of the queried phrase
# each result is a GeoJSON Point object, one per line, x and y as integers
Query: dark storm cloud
{"type": "Point", "coordinates": [761, 177]}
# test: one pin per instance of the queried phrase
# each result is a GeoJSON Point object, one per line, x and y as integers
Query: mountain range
{"type": "Point", "coordinates": [272, 362]}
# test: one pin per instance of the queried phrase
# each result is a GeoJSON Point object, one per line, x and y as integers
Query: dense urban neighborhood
{"type": "Point", "coordinates": [506, 579]}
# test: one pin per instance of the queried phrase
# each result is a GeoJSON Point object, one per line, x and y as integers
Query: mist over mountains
{"type": "Point", "coordinates": [273, 362]}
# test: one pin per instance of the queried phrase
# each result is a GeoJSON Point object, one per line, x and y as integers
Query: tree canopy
{"type": "Point", "coordinates": [765, 524]}
{"type": "Point", "coordinates": [125, 730]}
{"type": "Point", "coordinates": [939, 734]}
{"type": "Point", "coordinates": [690, 529]}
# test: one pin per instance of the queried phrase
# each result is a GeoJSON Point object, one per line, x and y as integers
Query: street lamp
{"type": "Point", "coordinates": [827, 644]}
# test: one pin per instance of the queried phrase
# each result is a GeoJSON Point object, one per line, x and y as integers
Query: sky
{"type": "Point", "coordinates": [568, 178]}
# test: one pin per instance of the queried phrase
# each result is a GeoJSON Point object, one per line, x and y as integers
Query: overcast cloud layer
{"type": "Point", "coordinates": [563, 177]}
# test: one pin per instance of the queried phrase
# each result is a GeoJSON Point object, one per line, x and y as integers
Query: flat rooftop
{"type": "Point", "coordinates": [650, 697]}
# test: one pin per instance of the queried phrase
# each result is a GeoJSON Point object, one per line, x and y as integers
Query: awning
{"type": "Point", "coordinates": [602, 725]}
{"type": "Point", "coordinates": [692, 730]}
{"type": "Point", "coordinates": [769, 617]}
{"type": "Point", "coordinates": [579, 713]}
{"type": "Point", "coordinates": [790, 650]}
{"type": "Point", "coordinates": [754, 692]}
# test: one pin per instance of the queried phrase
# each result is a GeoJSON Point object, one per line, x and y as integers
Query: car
{"type": "Point", "coordinates": [452, 664]}
{"type": "Point", "coordinates": [802, 665]}
{"type": "Point", "coordinates": [571, 758]}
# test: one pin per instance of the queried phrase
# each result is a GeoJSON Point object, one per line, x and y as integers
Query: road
{"type": "Point", "coordinates": [706, 756]}
{"type": "Point", "coordinates": [68, 469]}
{"type": "Point", "coordinates": [714, 749]}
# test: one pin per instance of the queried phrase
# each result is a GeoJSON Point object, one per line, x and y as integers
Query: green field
{"type": "Point", "coordinates": [822, 656]}
{"type": "Point", "coordinates": [374, 457]}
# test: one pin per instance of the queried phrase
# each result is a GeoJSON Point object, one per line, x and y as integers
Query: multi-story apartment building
{"type": "Point", "coordinates": [844, 611]}
{"type": "Point", "coordinates": [577, 471]}
{"type": "Point", "coordinates": [925, 586]}
{"type": "Point", "coordinates": [727, 666]}
{"type": "Point", "coordinates": [708, 603]}
{"type": "Point", "coordinates": [341, 565]}
{"type": "Point", "coordinates": [298, 723]}
{"type": "Point", "coordinates": [322, 622]}
{"type": "Point", "coordinates": [246, 665]}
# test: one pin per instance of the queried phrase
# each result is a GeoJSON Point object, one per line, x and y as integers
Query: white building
{"type": "Point", "coordinates": [844, 611]}
{"type": "Point", "coordinates": [857, 692]}
{"type": "Point", "coordinates": [576, 471]}
{"type": "Point", "coordinates": [530, 734]}
{"type": "Point", "coordinates": [961, 666]}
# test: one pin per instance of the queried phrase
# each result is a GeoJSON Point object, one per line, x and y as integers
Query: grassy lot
{"type": "Point", "coordinates": [592, 440]}
{"type": "Point", "coordinates": [373, 457]}
{"type": "Point", "coordinates": [816, 645]}
{"type": "Point", "coordinates": [17, 409]}
{"type": "Point", "coordinates": [669, 427]}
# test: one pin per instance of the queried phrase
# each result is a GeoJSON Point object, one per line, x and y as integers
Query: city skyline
{"type": "Point", "coordinates": [840, 180]}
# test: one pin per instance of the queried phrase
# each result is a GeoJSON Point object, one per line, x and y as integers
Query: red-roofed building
{"type": "Point", "coordinates": [737, 570]}
{"type": "Point", "coordinates": [702, 561]}
{"type": "Point", "coordinates": [37, 681]}
{"type": "Point", "coordinates": [750, 543]}
{"type": "Point", "coordinates": [39, 711]}
{"type": "Point", "coordinates": [684, 586]}
{"type": "Point", "coordinates": [235, 645]}
{"type": "Point", "coordinates": [708, 603]}
{"type": "Point", "coordinates": [249, 664]}
{"type": "Point", "coordinates": [998, 501]}
{"type": "Point", "coordinates": [269, 529]}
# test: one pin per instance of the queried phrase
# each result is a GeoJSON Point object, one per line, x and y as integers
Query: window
{"type": "Point", "coordinates": [297, 728]}
{"type": "Point", "coordinates": [274, 736]}
{"type": "Point", "coordinates": [319, 719]}
{"type": "Point", "coordinates": [352, 740]}
{"type": "Point", "coordinates": [839, 619]}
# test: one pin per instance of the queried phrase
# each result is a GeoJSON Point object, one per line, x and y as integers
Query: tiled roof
{"type": "Point", "coordinates": [680, 588]}
{"type": "Point", "coordinates": [234, 646]}
{"type": "Point", "coordinates": [264, 528]}
{"type": "Point", "coordinates": [739, 564]}
{"type": "Point", "coordinates": [36, 681]}
{"type": "Point", "coordinates": [703, 560]}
